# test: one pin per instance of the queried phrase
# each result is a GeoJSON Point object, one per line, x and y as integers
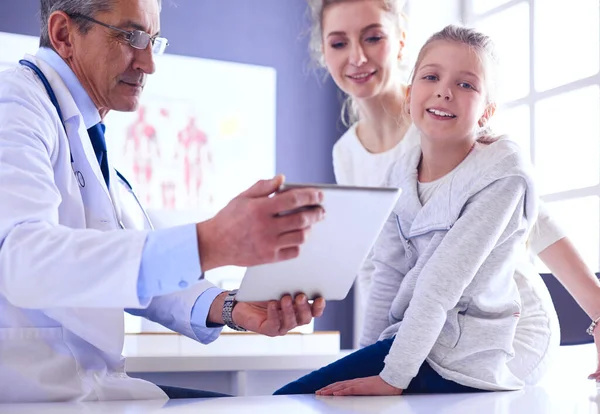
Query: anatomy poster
{"type": "Point", "coordinates": [204, 131]}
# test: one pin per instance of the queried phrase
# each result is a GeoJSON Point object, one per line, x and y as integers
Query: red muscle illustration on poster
{"type": "Point", "coordinates": [142, 150]}
{"type": "Point", "coordinates": [193, 148]}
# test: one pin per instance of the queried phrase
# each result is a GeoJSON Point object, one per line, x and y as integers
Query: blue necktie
{"type": "Point", "coordinates": [96, 134]}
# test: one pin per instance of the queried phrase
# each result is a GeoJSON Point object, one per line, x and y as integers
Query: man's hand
{"type": "Point", "coordinates": [273, 318]}
{"type": "Point", "coordinates": [249, 231]}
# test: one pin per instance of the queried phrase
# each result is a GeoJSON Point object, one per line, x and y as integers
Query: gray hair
{"type": "Point", "coordinates": [316, 9]}
{"type": "Point", "coordinates": [84, 7]}
{"type": "Point", "coordinates": [484, 47]}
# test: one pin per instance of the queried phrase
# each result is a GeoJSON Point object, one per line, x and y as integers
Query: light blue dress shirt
{"type": "Point", "coordinates": [170, 260]}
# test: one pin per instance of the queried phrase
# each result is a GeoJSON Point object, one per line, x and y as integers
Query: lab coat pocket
{"type": "Point", "coordinates": [36, 359]}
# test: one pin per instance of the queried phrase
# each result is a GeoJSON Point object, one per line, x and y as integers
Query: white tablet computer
{"type": "Point", "coordinates": [334, 251]}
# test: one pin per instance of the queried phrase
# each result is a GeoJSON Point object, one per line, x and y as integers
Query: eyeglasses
{"type": "Point", "coordinates": [137, 39]}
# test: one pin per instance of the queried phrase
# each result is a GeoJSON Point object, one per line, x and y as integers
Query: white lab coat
{"type": "Point", "coordinates": [67, 271]}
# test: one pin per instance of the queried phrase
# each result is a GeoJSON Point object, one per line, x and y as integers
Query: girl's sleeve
{"type": "Point", "coordinates": [493, 216]}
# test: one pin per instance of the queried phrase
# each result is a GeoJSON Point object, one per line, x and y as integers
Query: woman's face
{"type": "Point", "coordinates": [362, 45]}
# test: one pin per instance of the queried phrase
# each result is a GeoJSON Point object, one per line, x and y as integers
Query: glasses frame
{"type": "Point", "coordinates": [137, 39]}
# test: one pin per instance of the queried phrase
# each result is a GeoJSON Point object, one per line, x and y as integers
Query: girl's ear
{"type": "Point", "coordinates": [489, 111]}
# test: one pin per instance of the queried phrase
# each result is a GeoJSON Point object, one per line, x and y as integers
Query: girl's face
{"type": "Point", "coordinates": [362, 45]}
{"type": "Point", "coordinates": [448, 97]}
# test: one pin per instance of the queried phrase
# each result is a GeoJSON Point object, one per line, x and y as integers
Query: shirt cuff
{"type": "Point", "coordinates": [395, 379]}
{"type": "Point", "coordinates": [199, 316]}
{"type": "Point", "coordinates": [170, 262]}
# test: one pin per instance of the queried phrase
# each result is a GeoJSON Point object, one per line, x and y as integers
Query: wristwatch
{"type": "Point", "coordinates": [228, 305]}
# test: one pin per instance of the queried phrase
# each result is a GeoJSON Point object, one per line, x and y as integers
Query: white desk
{"type": "Point", "coordinates": [235, 364]}
{"type": "Point", "coordinates": [565, 391]}
{"type": "Point", "coordinates": [235, 375]}
{"type": "Point", "coordinates": [578, 397]}
{"type": "Point", "coordinates": [236, 368]}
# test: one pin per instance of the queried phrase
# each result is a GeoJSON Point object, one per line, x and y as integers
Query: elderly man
{"type": "Point", "coordinates": [73, 255]}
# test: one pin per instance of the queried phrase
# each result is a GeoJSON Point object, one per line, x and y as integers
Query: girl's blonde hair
{"type": "Point", "coordinates": [316, 8]}
{"type": "Point", "coordinates": [484, 47]}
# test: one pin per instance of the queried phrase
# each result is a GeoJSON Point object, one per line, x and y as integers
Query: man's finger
{"type": "Point", "coordinates": [318, 307]}
{"type": "Point", "coordinates": [273, 321]}
{"type": "Point", "coordinates": [289, 200]}
{"type": "Point", "coordinates": [292, 238]}
{"type": "Point", "coordinates": [288, 253]}
{"type": "Point", "coordinates": [264, 188]}
{"type": "Point", "coordinates": [288, 315]}
{"type": "Point", "coordinates": [303, 309]}
{"type": "Point", "coordinates": [300, 220]}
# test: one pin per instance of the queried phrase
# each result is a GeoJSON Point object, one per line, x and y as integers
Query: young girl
{"type": "Point", "coordinates": [444, 303]}
{"type": "Point", "coordinates": [361, 44]}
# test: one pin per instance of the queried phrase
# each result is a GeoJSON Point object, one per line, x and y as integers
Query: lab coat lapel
{"type": "Point", "coordinates": [99, 208]}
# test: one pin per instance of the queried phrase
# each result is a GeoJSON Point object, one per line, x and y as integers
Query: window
{"type": "Point", "coordinates": [566, 40]}
{"type": "Point", "coordinates": [513, 51]}
{"type": "Point", "coordinates": [550, 101]}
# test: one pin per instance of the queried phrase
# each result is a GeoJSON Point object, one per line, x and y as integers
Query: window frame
{"type": "Point", "coordinates": [470, 18]}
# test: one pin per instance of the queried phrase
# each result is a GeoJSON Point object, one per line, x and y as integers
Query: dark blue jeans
{"type": "Point", "coordinates": [176, 392]}
{"type": "Point", "coordinates": [368, 362]}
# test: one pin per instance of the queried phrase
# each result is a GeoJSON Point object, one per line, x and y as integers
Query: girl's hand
{"type": "Point", "coordinates": [361, 386]}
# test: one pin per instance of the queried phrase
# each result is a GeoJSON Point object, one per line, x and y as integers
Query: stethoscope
{"type": "Point", "coordinates": [78, 175]}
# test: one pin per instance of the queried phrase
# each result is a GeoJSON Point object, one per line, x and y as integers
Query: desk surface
{"type": "Point", "coordinates": [234, 363]}
{"type": "Point", "coordinates": [565, 391]}
{"type": "Point", "coordinates": [580, 397]}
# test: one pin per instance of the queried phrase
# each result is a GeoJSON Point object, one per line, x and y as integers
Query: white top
{"type": "Point", "coordinates": [353, 164]}
{"type": "Point", "coordinates": [427, 190]}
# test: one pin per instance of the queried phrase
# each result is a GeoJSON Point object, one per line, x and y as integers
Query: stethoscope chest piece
{"type": "Point", "coordinates": [80, 179]}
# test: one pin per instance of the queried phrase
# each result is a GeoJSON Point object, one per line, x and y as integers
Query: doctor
{"type": "Point", "coordinates": [73, 250]}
